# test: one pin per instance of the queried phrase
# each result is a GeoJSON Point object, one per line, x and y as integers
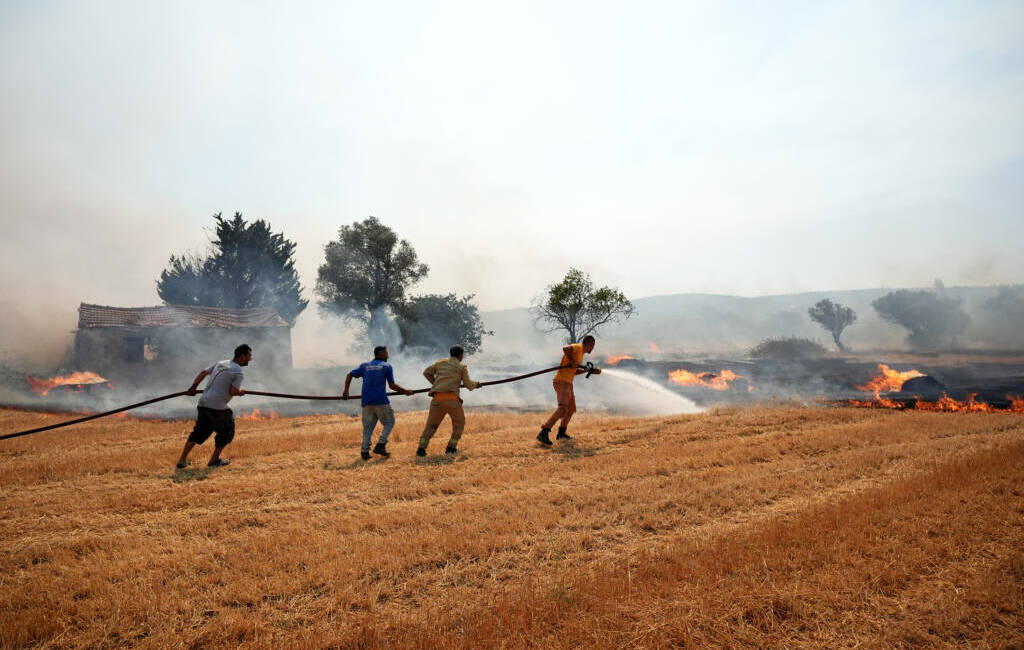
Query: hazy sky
{"type": "Point", "coordinates": [665, 147]}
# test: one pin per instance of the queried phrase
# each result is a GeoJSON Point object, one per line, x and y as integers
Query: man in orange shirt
{"type": "Point", "coordinates": [572, 356]}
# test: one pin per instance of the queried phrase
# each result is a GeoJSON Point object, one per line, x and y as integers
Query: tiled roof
{"type": "Point", "coordinates": [177, 316]}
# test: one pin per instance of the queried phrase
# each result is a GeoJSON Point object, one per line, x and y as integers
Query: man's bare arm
{"type": "Point", "coordinates": [348, 382]}
{"type": "Point", "coordinates": [195, 383]}
{"type": "Point", "coordinates": [395, 387]}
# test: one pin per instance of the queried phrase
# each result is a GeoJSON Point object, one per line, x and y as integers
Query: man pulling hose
{"type": "Point", "coordinates": [445, 377]}
{"type": "Point", "coordinates": [213, 414]}
{"type": "Point", "coordinates": [572, 356]}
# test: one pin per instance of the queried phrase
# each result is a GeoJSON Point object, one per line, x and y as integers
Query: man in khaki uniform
{"type": "Point", "coordinates": [446, 376]}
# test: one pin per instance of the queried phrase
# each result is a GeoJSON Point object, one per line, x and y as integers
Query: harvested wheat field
{"type": "Point", "coordinates": [770, 526]}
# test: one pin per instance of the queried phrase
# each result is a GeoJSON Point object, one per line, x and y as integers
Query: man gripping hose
{"type": "Point", "coordinates": [445, 377]}
{"type": "Point", "coordinates": [213, 414]}
{"type": "Point", "coordinates": [572, 356]}
{"type": "Point", "coordinates": [377, 376]}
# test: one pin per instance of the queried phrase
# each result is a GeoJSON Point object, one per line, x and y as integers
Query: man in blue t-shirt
{"type": "Point", "coordinates": [377, 375]}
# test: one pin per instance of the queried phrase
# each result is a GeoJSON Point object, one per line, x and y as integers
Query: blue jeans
{"type": "Point", "coordinates": [372, 413]}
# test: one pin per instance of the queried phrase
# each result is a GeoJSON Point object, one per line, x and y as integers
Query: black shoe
{"type": "Point", "coordinates": [220, 462]}
{"type": "Point", "coordinates": [451, 450]}
{"type": "Point", "coordinates": [381, 450]}
{"type": "Point", "coordinates": [562, 435]}
{"type": "Point", "coordinates": [421, 451]}
{"type": "Point", "coordinates": [365, 455]}
{"type": "Point", "coordinates": [543, 437]}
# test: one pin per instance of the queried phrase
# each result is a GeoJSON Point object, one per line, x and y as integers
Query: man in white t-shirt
{"type": "Point", "coordinates": [214, 416]}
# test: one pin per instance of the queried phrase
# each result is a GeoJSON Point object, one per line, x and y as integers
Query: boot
{"type": "Point", "coordinates": [365, 455]}
{"type": "Point", "coordinates": [381, 449]}
{"type": "Point", "coordinates": [543, 437]}
{"type": "Point", "coordinates": [562, 435]}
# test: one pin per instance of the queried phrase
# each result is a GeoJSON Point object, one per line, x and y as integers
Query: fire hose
{"type": "Point", "coordinates": [589, 368]}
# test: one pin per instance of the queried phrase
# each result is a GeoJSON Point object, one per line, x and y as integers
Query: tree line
{"type": "Point", "coordinates": [933, 319]}
{"type": "Point", "coordinates": [365, 277]}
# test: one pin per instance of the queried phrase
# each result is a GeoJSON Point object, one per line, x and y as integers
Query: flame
{"type": "Point", "coordinates": [710, 380]}
{"type": "Point", "coordinates": [79, 379]}
{"type": "Point", "coordinates": [614, 360]}
{"type": "Point", "coordinates": [653, 347]}
{"type": "Point", "coordinates": [888, 380]}
{"type": "Point", "coordinates": [945, 404]}
{"type": "Point", "coordinates": [256, 416]}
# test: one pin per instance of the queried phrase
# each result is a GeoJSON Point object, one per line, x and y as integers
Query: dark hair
{"type": "Point", "coordinates": [456, 351]}
{"type": "Point", "coordinates": [588, 339]}
{"type": "Point", "coordinates": [242, 349]}
{"type": "Point", "coordinates": [377, 350]}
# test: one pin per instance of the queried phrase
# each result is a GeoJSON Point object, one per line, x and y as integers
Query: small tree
{"type": "Point", "coordinates": [366, 274]}
{"type": "Point", "coordinates": [834, 317]}
{"type": "Point", "coordinates": [247, 266]}
{"type": "Point", "coordinates": [932, 318]}
{"type": "Point", "coordinates": [438, 321]}
{"type": "Point", "coordinates": [574, 305]}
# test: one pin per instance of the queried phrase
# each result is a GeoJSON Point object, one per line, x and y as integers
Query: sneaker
{"type": "Point", "coordinates": [421, 451]}
{"type": "Point", "coordinates": [220, 462]}
{"type": "Point", "coordinates": [451, 450]}
{"type": "Point", "coordinates": [543, 437]}
{"type": "Point", "coordinates": [381, 450]}
{"type": "Point", "coordinates": [562, 435]}
{"type": "Point", "coordinates": [365, 455]}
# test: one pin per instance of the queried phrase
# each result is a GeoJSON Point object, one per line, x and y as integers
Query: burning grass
{"type": "Point", "coordinates": [722, 380]}
{"type": "Point", "coordinates": [945, 404]}
{"type": "Point", "coordinates": [616, 359]}
{"type": "Point", "coordinates": [781, 527]}
{"type": "Point", "coordinates": [888, 379]}
{"type": "Point", "coordinates": [75, 381]}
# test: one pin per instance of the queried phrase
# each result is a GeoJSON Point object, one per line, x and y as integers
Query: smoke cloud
{"type": "Point", "coordinates": [126, 125]}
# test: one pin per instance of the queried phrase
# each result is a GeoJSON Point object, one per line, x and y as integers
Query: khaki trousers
{"type": "Point", "coordinates": [438, 410]}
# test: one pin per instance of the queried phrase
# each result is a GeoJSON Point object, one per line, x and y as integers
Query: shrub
{"type": "Point", "coordinates": [786, 348]}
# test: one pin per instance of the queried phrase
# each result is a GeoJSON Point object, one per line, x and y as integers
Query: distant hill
{"type": "Point", "coordinates": [698, 323]}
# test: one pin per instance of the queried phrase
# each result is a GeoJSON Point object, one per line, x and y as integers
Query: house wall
{"type": "Point", "coordinates": [178, 349]}
{"type": "Point", "coordinates": [100, 348]}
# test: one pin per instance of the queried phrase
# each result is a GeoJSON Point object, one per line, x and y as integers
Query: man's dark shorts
{"type": "Point", "coordinates": [210, 420]}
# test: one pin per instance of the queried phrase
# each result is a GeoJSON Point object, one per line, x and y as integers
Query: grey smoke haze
{"type": "Point", "coordinates": [668, 148]}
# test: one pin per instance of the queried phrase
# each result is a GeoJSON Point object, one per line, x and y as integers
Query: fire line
{"type": "Point", "coordinates": [75, 379]}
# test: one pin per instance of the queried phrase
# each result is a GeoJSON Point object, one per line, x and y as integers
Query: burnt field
{"type": "Point", "coordinates": [779, 526]}
{"type": "Point", "coordinates": [990, 378]}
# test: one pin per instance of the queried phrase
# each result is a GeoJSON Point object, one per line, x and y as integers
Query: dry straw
{"type": "Point", "coordinates": [766, 527]}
